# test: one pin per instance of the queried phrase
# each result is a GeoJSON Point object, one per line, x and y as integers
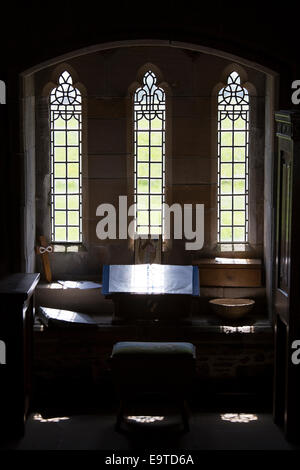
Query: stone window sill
{"type": "Point", "coordinates": [68, 248]}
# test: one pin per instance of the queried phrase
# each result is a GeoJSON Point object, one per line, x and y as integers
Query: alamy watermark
{"type": "Point", "coordinates": [2, 92]}
{"type": "Point", "coordinates": [183, 226]}
{"type": "Point", "coordinates": [2, 352]}
{"type": "Point", "coordinates": [295, 358]}
{"type": "Point", "coordinates": [296, 94]}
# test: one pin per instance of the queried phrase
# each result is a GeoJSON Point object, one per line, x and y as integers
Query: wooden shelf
{"type": "Point", "coordinates": [229, 272]}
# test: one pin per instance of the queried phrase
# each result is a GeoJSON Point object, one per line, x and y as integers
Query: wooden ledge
{"type": "Point", "coordinates": [228, 262]}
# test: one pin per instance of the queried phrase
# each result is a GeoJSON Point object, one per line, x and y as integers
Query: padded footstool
{"type": "Point", "coordinates": [141, 369]}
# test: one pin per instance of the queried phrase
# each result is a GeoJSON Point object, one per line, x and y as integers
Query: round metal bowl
{"type": "Point", "coordinates": [231, 308]}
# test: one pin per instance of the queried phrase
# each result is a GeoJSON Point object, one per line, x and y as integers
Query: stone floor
{"type": "Point", "coordinates": [226, 430]}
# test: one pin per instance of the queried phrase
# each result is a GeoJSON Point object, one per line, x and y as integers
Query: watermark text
{"type": "Point", "coordinates": [188, 222]}
{"type": "Point", "coordinates": [2, 352]}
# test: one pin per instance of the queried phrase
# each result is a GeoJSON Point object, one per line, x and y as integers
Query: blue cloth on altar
{"type": "Point", "coordinates": [150, 279]}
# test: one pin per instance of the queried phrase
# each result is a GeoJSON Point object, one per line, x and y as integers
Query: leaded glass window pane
{"type": "Point", "coordinates": [233, 144]}
{"type": "Point", "coordinates": [66, 164]}
{"type": "Point", "coordinates": [149, 156]}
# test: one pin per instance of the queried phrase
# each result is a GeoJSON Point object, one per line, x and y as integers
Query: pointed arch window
{"type": "Point", "coordinates": [66, 161]}
{"type": "Point", "coordinates": [233, 165]}
{"type": "Point", "coordinates": [149, 156]}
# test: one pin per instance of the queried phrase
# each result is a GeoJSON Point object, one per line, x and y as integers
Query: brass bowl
{"type": "Point", "coordinates": [231, 308]}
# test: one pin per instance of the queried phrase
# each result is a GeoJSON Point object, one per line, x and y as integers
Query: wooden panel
{"type": "Point", "coordinates": [228, 277]}
{"type": "Point", "coordinates": [284, 201]}
{"type": "Point", "coordinates": [229, 272]}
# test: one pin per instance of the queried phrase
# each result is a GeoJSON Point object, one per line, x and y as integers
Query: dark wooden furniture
{"type": "Point", "coordinates": [167, 302]}
{"type": "Point", "coordinates": [142, 370]}
{"type": "Point", "coordinates": [286, 292]}
{"type": "Point", "coordinates": [229, 272]}
{"type": "Point", "coordinates": [16, 321]}
{"type": "Point", "coordinates": [166, 308]}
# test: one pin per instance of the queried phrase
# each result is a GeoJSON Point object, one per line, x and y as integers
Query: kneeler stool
{"type": "Point", "coordinates": [144, 369]}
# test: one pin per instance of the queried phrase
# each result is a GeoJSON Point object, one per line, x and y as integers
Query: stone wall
{"type": "Point", "coordinates": [228, 359]}
{"type": "Point", "coordinates": [191, 81]}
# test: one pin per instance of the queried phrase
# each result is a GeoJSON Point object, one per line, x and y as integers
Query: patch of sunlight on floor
{"type": "Point", "coordinates": [145, 419]}
{"type": "Point", "coordinates": [239, 417]}
{"type": "Point", "coordinates": [39, 417]}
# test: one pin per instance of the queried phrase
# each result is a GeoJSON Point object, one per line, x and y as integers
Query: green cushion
{"type": "Point", "coordinates": [137, 348]}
